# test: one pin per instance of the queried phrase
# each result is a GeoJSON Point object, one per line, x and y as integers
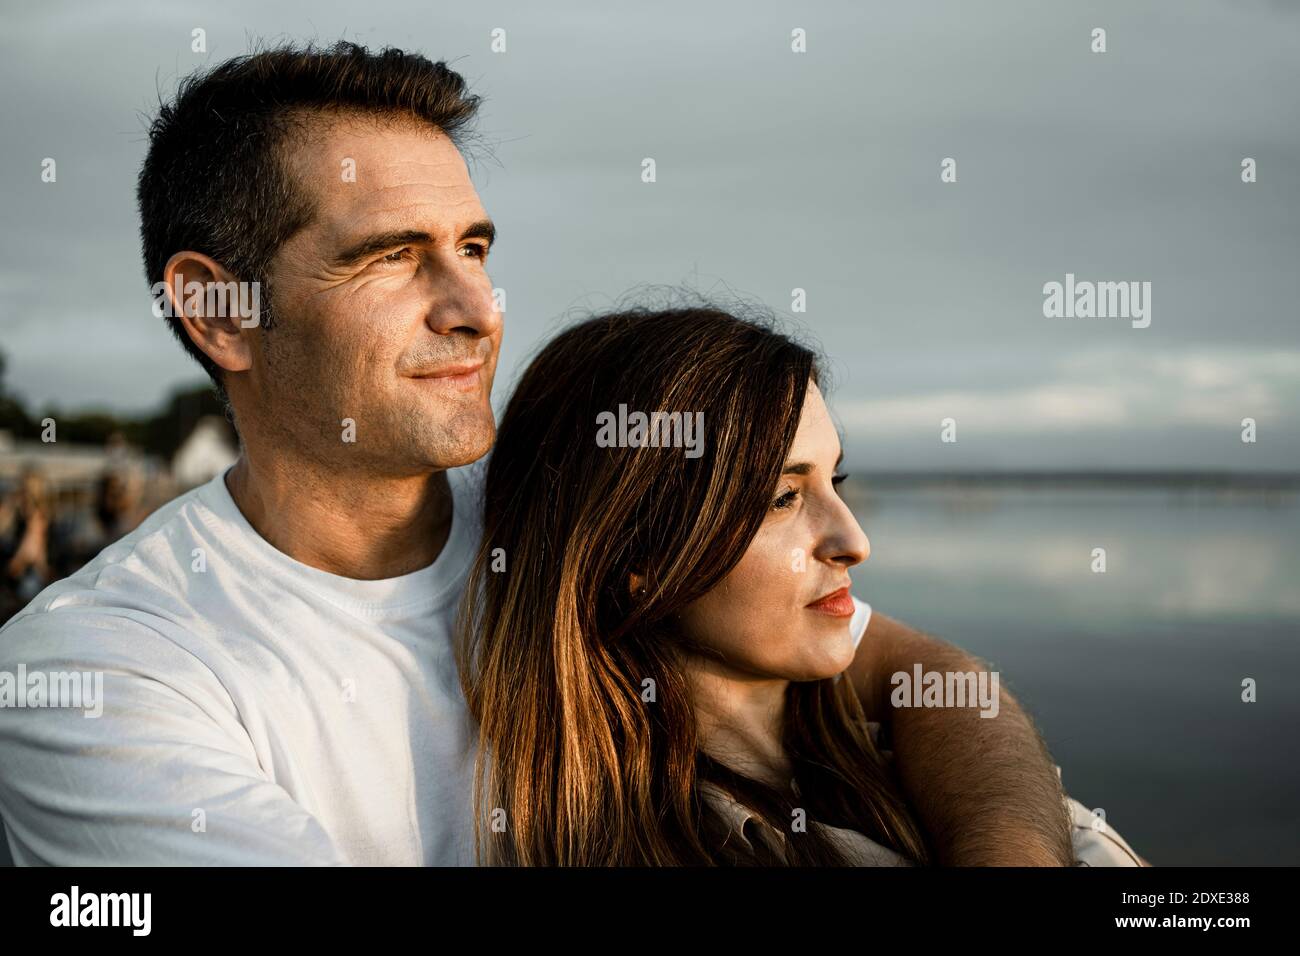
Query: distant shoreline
{"type": "Point", "coordinates": [1218, 480]}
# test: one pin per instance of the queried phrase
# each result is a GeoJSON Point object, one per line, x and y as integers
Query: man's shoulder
{"type": "Point", "coordinates": [121, 587]}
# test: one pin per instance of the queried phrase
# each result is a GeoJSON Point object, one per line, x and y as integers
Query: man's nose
{"type": "Point", "coordinates": [462, 301]}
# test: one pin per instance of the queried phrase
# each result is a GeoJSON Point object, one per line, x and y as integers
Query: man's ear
{"type": "Point", "coordinates": [217, 311]}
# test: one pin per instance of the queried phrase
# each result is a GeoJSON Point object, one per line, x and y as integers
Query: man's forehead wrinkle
{"type": "Point", "coordinates": [376, 181]}
{"type": "Point", "coordinates": [376, 192]}
{"type": "Point", "coordinates": [396, 216]}
{"type": "Point", "coordinates": [441, 175]}
{"type": "Point", "coordinates": [434, 205]}
{"type": "Point", "coordinates": [383, 189]}
{"type": "Point", "coordinates": [403, 163]}
{"type": "Point", "coordinates": [406, 218]}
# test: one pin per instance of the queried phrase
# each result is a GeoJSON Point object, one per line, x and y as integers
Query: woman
{"type": "Point", "coordinates": [655, 655]}
{"type": "Point", "coordinates": [654, 626]}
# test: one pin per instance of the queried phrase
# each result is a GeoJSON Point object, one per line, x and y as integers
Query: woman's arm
{"type": "Point", "coordinates": [985, 789]}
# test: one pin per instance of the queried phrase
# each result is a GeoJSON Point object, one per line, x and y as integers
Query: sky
{"type": "Point", "coordinates": [775, 170]}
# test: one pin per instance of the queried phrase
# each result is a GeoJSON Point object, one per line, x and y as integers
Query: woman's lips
{"type": "Point", "coordinates": [836, 604]}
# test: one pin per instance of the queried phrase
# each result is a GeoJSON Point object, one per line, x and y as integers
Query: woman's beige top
{"type": "Point", "coordinates": [857, 849]}
{"type": "Point", "coordinates": [1095, 842]}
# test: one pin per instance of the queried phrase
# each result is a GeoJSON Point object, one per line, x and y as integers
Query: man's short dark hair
{"type": "Point", "coordinates": [214, 179]}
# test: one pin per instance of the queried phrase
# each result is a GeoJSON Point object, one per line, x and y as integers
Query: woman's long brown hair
{"type": "Point", "coordinates": [589, 754]}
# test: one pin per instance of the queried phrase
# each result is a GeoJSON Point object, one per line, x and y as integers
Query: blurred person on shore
{"type": "Point", "coordinates": [24, 539]}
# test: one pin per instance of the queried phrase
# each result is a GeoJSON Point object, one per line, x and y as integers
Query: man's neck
{"type": "Point", "coordinates": [346, 523]}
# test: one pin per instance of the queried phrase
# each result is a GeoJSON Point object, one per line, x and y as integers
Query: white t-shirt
{"type": "Point", "coordinates": [255, 711]}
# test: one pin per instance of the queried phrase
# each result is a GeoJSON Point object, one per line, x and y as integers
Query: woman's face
{"type": "Point", "coordinates": [777, 613]}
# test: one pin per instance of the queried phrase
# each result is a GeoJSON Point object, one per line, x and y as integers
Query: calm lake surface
{"type": "Point", "coordinates": [1134, 676]}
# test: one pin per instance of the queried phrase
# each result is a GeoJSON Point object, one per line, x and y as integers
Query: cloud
{"type": "Point", "coordinates": [1103, 389]}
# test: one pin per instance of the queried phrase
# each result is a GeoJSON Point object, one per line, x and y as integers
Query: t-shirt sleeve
{"type": "Point", "coordinates": [164, 773]}
{"type": "Point", "coordinates": [858, 623]}
{"type": "Point", "coordinates": [1095, 842]}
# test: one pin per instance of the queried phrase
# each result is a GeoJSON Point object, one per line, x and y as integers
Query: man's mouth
{"type": "Point", "coordinates": [461, 375]}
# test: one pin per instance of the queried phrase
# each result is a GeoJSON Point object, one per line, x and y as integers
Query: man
{"type": "Point", "coordinates": [278, 683]}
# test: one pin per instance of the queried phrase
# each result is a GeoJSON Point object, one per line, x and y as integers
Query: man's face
{"type": "Point", "coordinates": [383, 309]}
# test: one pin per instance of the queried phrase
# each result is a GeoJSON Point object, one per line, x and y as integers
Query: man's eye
{"type": "Point", "coordinates": [393, 258]}
{"type": "Point", "coordinates": [785, 500]}
{"type": "Point", "coordinates": [476, 251]}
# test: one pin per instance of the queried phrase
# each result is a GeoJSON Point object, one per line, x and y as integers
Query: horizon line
{"type": "Point", "coordinates": [1165, 476]}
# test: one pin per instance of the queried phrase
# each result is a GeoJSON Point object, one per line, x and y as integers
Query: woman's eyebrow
{"type": "Point", "coordinates": [807, 468]}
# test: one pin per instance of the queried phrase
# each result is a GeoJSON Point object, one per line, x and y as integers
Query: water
{"type": "Point", "coordinates": [1134, 676]}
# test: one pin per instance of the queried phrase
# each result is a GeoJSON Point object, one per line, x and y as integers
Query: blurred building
{"type": "Point", "coordinates": [67, 466]}
{"type": "Point", "coordinates": [205, 453]}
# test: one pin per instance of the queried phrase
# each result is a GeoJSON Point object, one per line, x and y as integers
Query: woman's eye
{"type": "Point", "coordinates": [837, 479]}
{"type": "Point", "coordinates": [785, 500]}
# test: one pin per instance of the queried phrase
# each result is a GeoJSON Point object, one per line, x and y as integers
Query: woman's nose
{"type": "Point", "coordinates": [844, 542]}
